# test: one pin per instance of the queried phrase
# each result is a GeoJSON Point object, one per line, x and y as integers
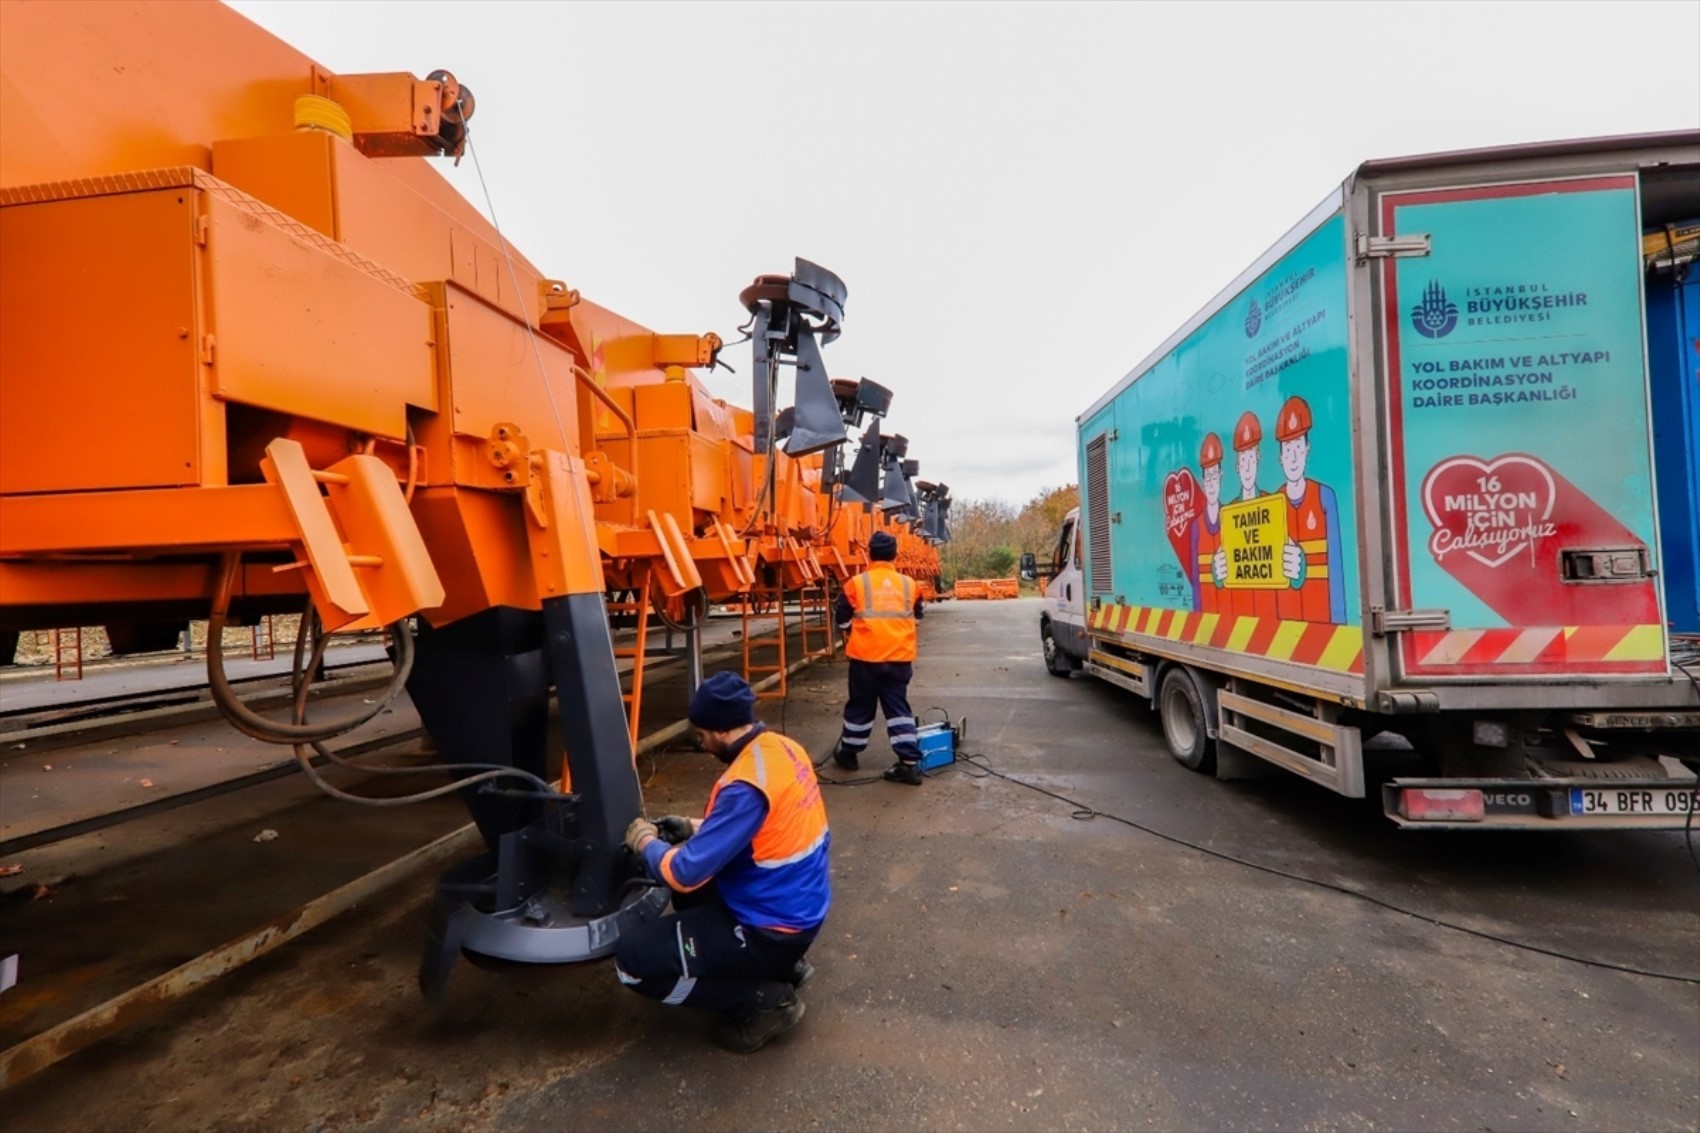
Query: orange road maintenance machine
{"type": "Point", "coordinates": [555, 885]}
{"type": "Point", "coordinates": [256, 349]}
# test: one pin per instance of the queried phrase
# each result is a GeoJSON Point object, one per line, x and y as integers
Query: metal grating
{"type": "Point", "coordinates": [1098, 515]}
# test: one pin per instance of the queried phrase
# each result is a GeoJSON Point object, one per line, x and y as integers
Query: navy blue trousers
{"type": "Point", "coordinates": [700, 956]}
{"type": "Point", "coordinates": [880, 686]}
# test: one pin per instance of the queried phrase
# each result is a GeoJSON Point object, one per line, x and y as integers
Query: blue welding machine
{"type": "Point", "coordinates": [938, 742]}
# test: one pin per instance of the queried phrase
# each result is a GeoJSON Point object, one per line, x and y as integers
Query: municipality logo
{"type": "Point", "coordinates": [1435, 316]}
{"type": "Point", "coordinates": [1253, 319]}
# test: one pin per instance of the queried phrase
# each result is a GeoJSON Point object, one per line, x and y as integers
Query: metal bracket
{"type": "Point", "coordinates": [1383, 622]}
{"type": "Point", "coordinates": [1390, 247]}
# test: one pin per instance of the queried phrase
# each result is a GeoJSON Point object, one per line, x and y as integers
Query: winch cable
{"type": "Point", "coordinates": [486, 771]}
{"type": "Point", "coordinates": [251, 723]}
{"type": "Point", "coordinates": [1085, 813]}
{"type": "Point", "coordinates": [304, 736]}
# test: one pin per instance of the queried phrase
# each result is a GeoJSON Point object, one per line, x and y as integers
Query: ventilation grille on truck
{"type": "Point", "coordinates": [1098, 515]}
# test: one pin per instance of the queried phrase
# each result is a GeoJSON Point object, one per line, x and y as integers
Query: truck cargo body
{"type": "Point", "coordinates": [1430, 466]}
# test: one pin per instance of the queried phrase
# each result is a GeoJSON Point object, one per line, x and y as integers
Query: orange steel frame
{"type": "Point", "coordinates": [225, 333]}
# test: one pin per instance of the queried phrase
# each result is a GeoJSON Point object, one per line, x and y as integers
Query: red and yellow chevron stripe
{"type": "Point", "coordinates": [1339, 649]}
{"type": "Point", "coordinates": [1634, 648]}
{"type": "Point", "coordinates": [1558, 645]}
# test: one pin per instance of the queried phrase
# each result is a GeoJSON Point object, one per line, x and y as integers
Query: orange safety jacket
{"type": "Point", "coordinates": [1307, 523]}
{"type": "Point", "coordinates": [781, 880]}
{"type": "Point", "coordinates": [882, 619]}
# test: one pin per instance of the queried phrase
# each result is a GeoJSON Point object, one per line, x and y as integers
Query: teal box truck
{"type": "Point", "coordinates": [1430, 466]}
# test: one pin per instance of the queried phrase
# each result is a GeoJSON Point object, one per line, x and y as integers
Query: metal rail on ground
{"type": "Point", "coordinates": [57, 1043]}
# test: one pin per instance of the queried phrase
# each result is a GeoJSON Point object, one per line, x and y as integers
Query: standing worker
{"type": "Point", "coordinates": [750, 879]}
{"type": "Point", "coordinates": [879, 608]}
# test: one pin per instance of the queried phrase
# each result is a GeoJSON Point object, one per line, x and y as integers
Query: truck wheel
{"type": "Point", "coordinates": [1056, 663]}
{"type": "Point", "coordinates": [1182, 709]}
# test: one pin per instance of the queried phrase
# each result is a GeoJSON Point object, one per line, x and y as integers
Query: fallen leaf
{"type": "Point", "coordinates": [47, 766]}
{"type": "Point", "coordinates": [11, 870]}
{"type": "Point", "coordinates": [265, 836]}
{"type": "Point", "coordinates": [147, 782]}
{"type": "Point", "coordinates": [41, 891]}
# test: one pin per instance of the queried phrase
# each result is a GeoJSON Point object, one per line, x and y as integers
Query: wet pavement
{"type": "Point", "coordinates": [991, 962]}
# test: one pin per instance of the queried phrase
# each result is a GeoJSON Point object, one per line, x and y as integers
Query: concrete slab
{"type": "Point", "coordinates": [993, 963]}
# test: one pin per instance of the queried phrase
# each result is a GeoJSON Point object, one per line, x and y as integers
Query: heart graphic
{"type": "Point", "coordinates": [1180, 511]}
{"type": "Point", "coordinates": [1491, 511]}
{"type": "Point", "coordinates": [1500, 528]}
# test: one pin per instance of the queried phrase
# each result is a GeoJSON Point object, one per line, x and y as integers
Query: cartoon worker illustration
{"type": "Point", "coordinates": [1312, 560]}
{"type": "Point", "coordinates": [1207, 531]}
{"type": "Point", "coordinates": [1248, 437]}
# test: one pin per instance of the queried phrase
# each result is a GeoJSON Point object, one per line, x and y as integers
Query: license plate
{"type": "Point", "coordinates": [1633, 800]}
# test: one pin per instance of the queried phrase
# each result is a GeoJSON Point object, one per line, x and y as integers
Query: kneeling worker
{"type": "Point", "coordinates": [880, 607]}
{"type": "Point", "coordinates": [736, 946]}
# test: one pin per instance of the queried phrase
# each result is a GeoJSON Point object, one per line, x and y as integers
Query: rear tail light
{"type": "Point", "coordinates": [1441, 805]}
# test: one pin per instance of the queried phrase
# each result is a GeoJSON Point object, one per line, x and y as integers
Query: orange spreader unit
{"type": "Point", "coordinates": [256, 352]}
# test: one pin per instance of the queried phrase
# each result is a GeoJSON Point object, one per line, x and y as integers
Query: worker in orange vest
{"type": "Point", "coordinates": [1311, 558]}
{"type": "Point", "coordinates": [736, 946]}
{"type": "Point", "coordinates": [1248, 439]}
{"type": "Point", "coordinates": [879, 608]}
{"type": "Point", "coordinates": [1207, 531]}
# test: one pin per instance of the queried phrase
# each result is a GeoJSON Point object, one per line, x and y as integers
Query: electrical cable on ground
{"type": "Point", "coordinates": [1084, 813]}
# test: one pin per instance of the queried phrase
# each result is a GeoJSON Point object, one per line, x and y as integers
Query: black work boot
{"type": "Point", "coordinates": [802, 973]}
{"type": "Point", "coordinates": [901, 772]}
{"type": "Point", "coordinates": [844, 757]}
{"type": "Point", "coordinates": [746, 1036]}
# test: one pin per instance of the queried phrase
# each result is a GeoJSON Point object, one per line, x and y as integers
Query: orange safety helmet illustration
{"type": "Point", "coordinates": [1294, 421]}
{"type": "Point", "coordinates": [1248, 433]}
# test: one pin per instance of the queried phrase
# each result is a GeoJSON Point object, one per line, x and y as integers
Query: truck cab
{"type": "Point", "coordinates": [1062, 619]}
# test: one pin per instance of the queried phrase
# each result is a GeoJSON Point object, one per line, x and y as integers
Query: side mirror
{"type": "Point", "coordinates": [1029, 566]}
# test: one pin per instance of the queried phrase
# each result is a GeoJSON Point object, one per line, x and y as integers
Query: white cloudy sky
{"type": "Point", "coordinates": [1022, 199]}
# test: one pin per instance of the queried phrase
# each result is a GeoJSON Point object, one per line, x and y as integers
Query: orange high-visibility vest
{"type": "Point", "coordinates": [882, 623]}
{"type": "Point", "coordinates": [784, 883]}
{"type": "Point", "coordinates": [1307, 523]}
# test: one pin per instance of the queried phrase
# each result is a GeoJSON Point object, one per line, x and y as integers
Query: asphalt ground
{"type": "Point", "coordinates": [993, 963]}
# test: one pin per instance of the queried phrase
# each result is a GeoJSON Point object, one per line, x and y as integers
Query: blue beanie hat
{"type": "Point", "coordinates": [722, 702]}
{"type": "Point", "coordinates": [882, 548]}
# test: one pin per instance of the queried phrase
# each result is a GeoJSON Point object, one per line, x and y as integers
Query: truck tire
{"type": "Point", "coordinates": [1182, 708]}
{"type": "Point", "coordinates": [1056, 663]}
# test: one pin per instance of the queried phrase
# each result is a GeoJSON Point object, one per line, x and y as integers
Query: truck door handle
{"type": "Point", "coordinates": [1068, 591]}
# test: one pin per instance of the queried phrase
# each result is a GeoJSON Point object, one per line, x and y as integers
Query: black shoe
{"type": "Point", "coordinates": [746, 1036]}
{"type": "Point", "coordinates": [845, 758]}
{"type": "Point", "coordinates": [802, 973]}
{"type": "Point", "coordinates": [901, 772]}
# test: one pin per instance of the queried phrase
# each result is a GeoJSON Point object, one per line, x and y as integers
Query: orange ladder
{"type": "Point", "coordinates": [814, 607]}
{"type": "Point", "coordinates": [263, 645]}
{"type": "Point", "coordinates": [59, 662]}
{"type": "Point", "coordinates": [754, 616]}
{"type": "Point", "coordinates": [637, 651]}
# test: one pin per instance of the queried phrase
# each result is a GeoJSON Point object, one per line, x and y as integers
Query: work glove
{"type": "Point", "coordinates": [640, 831]}
{"type": "Point", "coordinates": [673, 829]}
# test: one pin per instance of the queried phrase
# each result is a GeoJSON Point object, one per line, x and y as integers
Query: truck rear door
{"type": "Point", "coordinates": [1520, 454]}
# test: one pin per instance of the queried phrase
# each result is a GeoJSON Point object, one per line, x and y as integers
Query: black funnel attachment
{"type": "Point", "coordinates": [863, 483]}
{"type": "Point", "coordinates": [894, 489]}
{"type": "Point", "coordinates": [816, 422]}
{"type": "Point", "coordinates": [791, 317]}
